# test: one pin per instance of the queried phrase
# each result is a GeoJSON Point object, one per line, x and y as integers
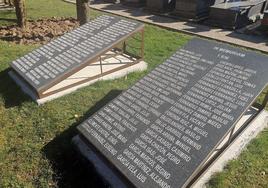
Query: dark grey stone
{"type": "Point", "coordinates": [160, 5]}
{"type": "Point", "coordinates": [236, 14]}
{"type": "Point", "coordinates": [69, 53]}
{"type": "Point", "coordinates": [194, 9]}
{"type": "Point", "coordinates": [159, 132]}
{"type": "Point", "coordinates": [265, 19]}
{"type": "Point", "coordinates": [133, 3]}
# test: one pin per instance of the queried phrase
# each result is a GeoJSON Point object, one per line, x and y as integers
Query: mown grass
{"type": "Point", "coordinates": [35, 149]}
{"type": "Point", "coordinates": [37, 9]}
{"type": "Point", "coordinates": [249, 170]}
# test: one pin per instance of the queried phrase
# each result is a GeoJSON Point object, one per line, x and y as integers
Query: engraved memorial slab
{"type": "Point", "coordinates": [50, 64]}
{"type": "Point", "coordinates": [159, 132]}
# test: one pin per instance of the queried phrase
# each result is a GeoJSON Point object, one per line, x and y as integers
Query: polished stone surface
{"type": "Point", "coordinates": [51, 63]}
{"type": "Point", "coordinates": [161, 130]}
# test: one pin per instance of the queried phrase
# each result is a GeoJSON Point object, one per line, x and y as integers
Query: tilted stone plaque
{"type": "Point", "coordinates": [64, 56]}
{"type": "Point", "coordinates": [162, 129]}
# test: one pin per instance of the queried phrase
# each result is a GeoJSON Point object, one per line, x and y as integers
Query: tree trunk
{"type": "Point", "coordinates": [20, 12]}
{"type": "Point", "coordinates": [82, 10]}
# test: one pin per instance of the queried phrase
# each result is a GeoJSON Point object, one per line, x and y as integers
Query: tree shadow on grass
{"type": "Point", "coordinates": [10, 91]}
{"type": "Point", "coordinates": [69, 171]}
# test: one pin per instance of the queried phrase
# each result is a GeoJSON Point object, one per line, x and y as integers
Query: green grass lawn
{"type": "Point", "coordinates": [37, 9]}
{"type": "Point", "coordinates": [35, 149]}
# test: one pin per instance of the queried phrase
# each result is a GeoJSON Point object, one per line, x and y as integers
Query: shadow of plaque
{"type": "Point", "coordinates": [69, 172]}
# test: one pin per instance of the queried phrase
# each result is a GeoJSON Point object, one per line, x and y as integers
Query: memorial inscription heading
{"type": "Point", "coordinates": [158, 132]}
{"type": "Point", "coordinates": [50, 63]}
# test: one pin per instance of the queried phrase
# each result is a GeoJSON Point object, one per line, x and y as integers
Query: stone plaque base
{"type": "Point", "coordinates": [233, 15]}
{"type": "Point", "coordinates": [117, 66]}
{"type": "Point", "coordinates": [192, 9]}
{"type": "Point", "coordinates": [108, 173]}
{"type": "Point", "coordinates": [160, 5]}
{"type": "Point", "coordinates": [90, 157]}
{"type": "Point", "coordinates": [133, 3]}
{"type": "Point", "coordinates": [265, 18]}
{"type": "Point", "coordinates": [257, 125]}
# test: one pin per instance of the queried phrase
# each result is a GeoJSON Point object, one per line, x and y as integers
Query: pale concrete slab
{"type": "Point", "coordinates": [249, 41]}
{"type": "Point", "coordinates": [253, 129]}
{"type": "Point", "coordinates": [93, 70]}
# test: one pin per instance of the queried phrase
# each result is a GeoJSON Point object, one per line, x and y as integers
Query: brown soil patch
{"type": "Point", "coordinates": [39, 31]}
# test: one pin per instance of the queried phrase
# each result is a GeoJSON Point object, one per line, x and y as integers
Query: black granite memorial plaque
{"type": "Point", "coordinates": [53, 62]}
{"type": "Point", "coordinates": [161, 130]}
